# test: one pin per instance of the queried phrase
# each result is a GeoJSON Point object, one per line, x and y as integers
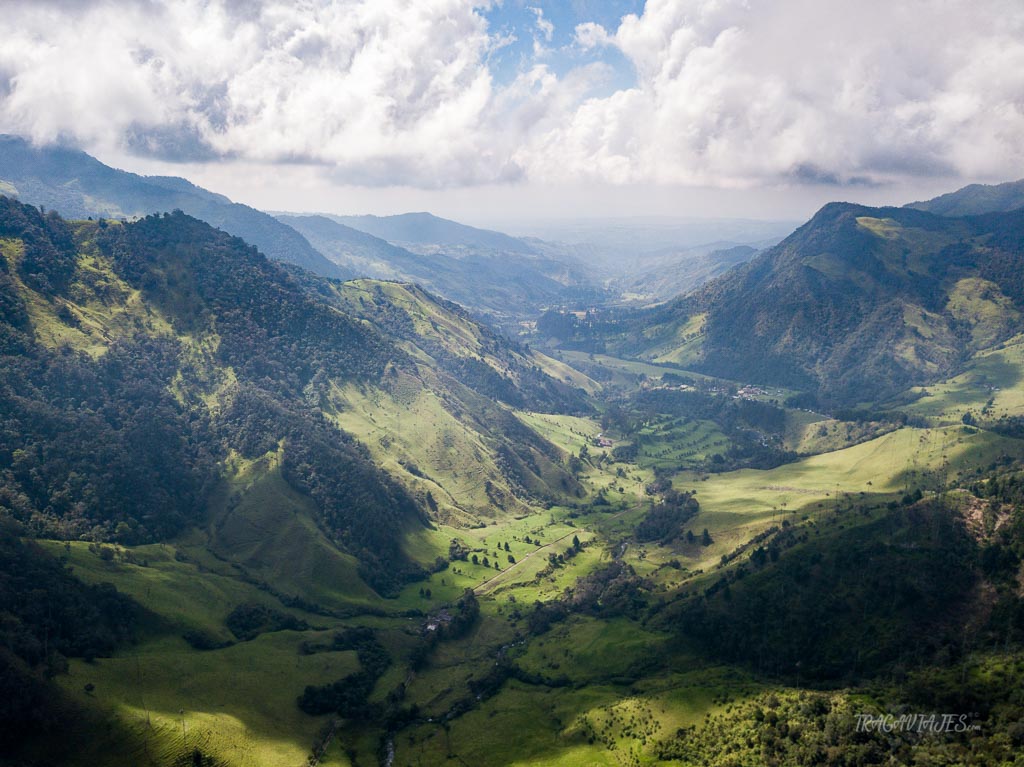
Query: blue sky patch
{"type": "Point", "coordinates": [547, 37]}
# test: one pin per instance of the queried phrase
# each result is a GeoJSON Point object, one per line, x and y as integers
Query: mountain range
{"type": "Point", "coordinates": [506, 285]}
{"type": "Point", "coordinates": [79, 186]}
{"type": "Point", "coordinates": [252, 514]}
{"type": "Point", "coordinates": [176, 306]}
{"type": "Point", "coordinates": [857, 304]}
{"type": "Point", "coordinates": [507, 278]}
{"type": "Point", "coordinates": [426, 230]}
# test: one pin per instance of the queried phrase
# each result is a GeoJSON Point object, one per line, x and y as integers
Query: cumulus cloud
{"type": "Point", "coordinates": [589, 35]}
{"type": "Point", "coordinates": [544, 26]}
{"type": "Point", "coordinates": [372, 87]}
{"type": "Point", "coordinates": [734, 93]}
{"type": "Point", "coordinates": [724, 92]}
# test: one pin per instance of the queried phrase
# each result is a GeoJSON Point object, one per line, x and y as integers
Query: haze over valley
{"type": "Point", "coordinates": [627, 383]}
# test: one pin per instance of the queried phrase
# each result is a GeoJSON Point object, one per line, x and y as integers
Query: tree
{"type": "Point", "coordinates": [705, 538]}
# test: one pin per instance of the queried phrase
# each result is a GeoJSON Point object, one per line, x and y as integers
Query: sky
{"type": "Point", "coordinates": [527, 109]}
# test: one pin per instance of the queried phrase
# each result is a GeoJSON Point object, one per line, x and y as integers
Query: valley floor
{"type": "Point", "coordinates": [597, 686]}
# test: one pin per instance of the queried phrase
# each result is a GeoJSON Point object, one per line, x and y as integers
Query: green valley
{"type": "Point", "coordinates": [346, 523]}
{"type": "Point", "coordinates": [490, 383]}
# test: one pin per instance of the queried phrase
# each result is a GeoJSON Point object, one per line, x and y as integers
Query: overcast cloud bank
{"type": "Point", "coordinates": [724, 93]}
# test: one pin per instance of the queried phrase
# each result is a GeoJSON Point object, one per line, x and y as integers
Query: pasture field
{"type": "Point", "coordinates": [735, 506]}
{"type": "Point", "coordinates": [678, 443]}
{"type": "Point", "coordinates": [237, 702]}
{"type": "Point", "coordinates": [611, 688]}
{"type": "Point", "coordinates": [990, 388]}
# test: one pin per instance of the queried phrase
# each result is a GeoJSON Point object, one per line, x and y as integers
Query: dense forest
{"type": "Point", "coordinates": [100, 447]}
{"type": "Point", "coordinates": [851, 604]}
{"type": "Point", "coordinates": [47, 616]}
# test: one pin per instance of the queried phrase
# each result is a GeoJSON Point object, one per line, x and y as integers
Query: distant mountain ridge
{"type": "Point", "coordinates": [350, 248]}
{"type": "Point", "coordinates": [506, 286]}
{"type": "Point", "coordinates": [976, 199]}
{"type": "Point", "coordinates": [679, 273]}
{"type": "Point", "coordinates": [79, 186]}
{"type": "Point", "coordinates": [428, 229]}
{"type": "Point", "coordinates": [507, 278]}
{"type": "Point", "coordinates": [856, 305]}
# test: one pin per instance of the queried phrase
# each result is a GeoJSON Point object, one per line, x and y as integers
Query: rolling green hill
{"type": "Point", "coordinates": [183, 346]}
{"type": "Point", "coordinates": [177, 343]}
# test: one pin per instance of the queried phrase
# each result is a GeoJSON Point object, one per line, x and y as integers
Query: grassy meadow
{"type": "Point", "coordinates": [620, 688]}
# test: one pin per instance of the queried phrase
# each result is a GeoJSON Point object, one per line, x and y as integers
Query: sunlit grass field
{"type": "Point", "coordinates": [238, 705]}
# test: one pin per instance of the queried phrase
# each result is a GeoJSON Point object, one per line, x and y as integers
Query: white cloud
{"type": "Point", "coordinates": [734, 93]}
{"type": "Point", "coordinates": [544, 26]}
{"type": "Point", "coordinates": [544, 31]}
{"type": "Point", "coordinates": [368, 86]}
{"type": "Point", "coordinates": [727, 92]}
{"type": "Point", "coordinates": [590, 35]}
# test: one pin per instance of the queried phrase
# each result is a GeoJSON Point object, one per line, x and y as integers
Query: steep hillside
{"type": "Point", "coordinates": [79, 186]}
{"type": "Point", "coordinates": [446, 426]}
{"type": "Point", "coordinates": [862, 301]}
{"type": "Point", "coordinates": [142, 359]}
{"type": "Point", "coordinates": [855, 305]}
{"type": "Point", "coordinates": [976, 199]}
{"type": "Point", "coordinates": [138, 355]}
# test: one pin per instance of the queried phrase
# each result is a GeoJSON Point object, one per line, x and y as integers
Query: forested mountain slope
{"type": "Point", "coordinates": [855, 305]}
{"type": "Point", "coordinates": [163, 384]}
{"type": "Point", "coordinates": [138, 358]}
{"type": "Point", "coordinates": [77, 185]}
{"type": "Point", "coordinates": [976, 199]}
